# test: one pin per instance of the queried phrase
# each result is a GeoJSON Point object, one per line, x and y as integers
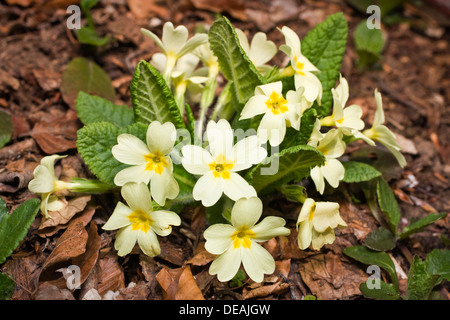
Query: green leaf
{"type": "Point", "coordinates": [151, 97]}
{"type": "Point", "coordinates": [6, 128]}
{"type": "Point", "coordinates": [87, 35]}
{"type": "Point", "coordinates": [294, 192]}
{"type": "Point", "coordinates": [420, 224]}
{"type": "Point", "coordinates": [369, 44]}
{"type": "Point", "coordinates": [290, 165]}
{"type": "Point", "coordinates": [359, 171]}
{"type": "Point", "coordinates": [380, 239]}
{"type": "Point", "coordinates": [386, 291]}
{"type": "Point", "coordinates": [388, 204]}
{"type": "Point", "coordinates": [299, 137]}
{"type": "Point", "coordinates": [217, 212]}
{"type": "Point", "coordinates": [94, 143]}
{"type": "Point", "coordinates": [369, 257]}
{"type": "Point", "coordinates": [7, 287]}
{"type": "Point", "coordinates": [186, 182]}
{"type": "Point", "coordinates": [14, 227]}
{"type": "Point", "coordinates": [324, 46]}
{"type": "Point", "coordinates": [420, 282]}
{"type": "Point", "coordinates": [438, 263]}
{"type": "Point", "coordinates": [82, 74]}
{"type": "Point", "coordinates": [233, 61]}
{"type": "Point", "coordinates": [92, 109]}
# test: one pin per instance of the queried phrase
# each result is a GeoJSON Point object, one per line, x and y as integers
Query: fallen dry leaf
{"type": "Point", "coordinates": [57, 134]}
{"type": "Point", "coordinates": [134, 291]}
{"type": "Point", "coordinates": [329, 277]}
{"type": "Point", "coordinates": [201, 257]}
{"type": "Point", "coordinates": [110, 274]}
{"type": "Point", "coordinates": [265, 290]}
{"type": "Point", "coordinates": [49, 291]}
{"type": "Point", "coordinates": [149, 8]}
{"type": "Point", "coordinates": [236, 8]}
{"type": "Point", "coordinates": [59, 218]}
{"type": "Point", "coordinates": [71, 244]}
{"type": "Point", "coordinates": [179, 284]}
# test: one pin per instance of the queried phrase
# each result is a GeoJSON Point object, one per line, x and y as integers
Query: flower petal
{"type": "Point", "coordinates": [125, 241]}
{"type": "Point", "coordinates": [304, 234]}
{"type": "Point", "coordinates": [333, 171]}
{"type": "Point", "coordinates": [161, 137]}
{"type": "Point", "coordinates": [164, 187]}
{"type": "Point", "coordinates": [119, 217]}
{"type": "Point", "coordinates": [218, 237]}
{"type": "Point", "coordinates": [257, 261]}
{"type": "Point", "coordinates": [327, 216]}
{"type": "Point", "coordinates": [247, 152]}
{"type": "Point", "coordinates": [220, 137]}
{"type": "Point", "coordinates": [261, 49]}
{"type": "Point", "coordinates": [148, 242]}
{"type": "Point", "coordinates": [322, 238]}
{"type": "Point", "coordinates": [197, 40]}
{"type": "Point", "coordinates": [155, 38]}
{"type": "Point", "coordinates": [318, 179]}
{"type": "Point", "coordinates": [133, 174]}
{"type": "Point", "coordinates": [254, 106]}
{"type": "Point", "coordinates": [163, 221]}
{"type": "Point", "coordinates": [312, 85]}
{"type": "Point", "coordinates": [137, 196]}
{"type": "Point", "coordinates": [195, 159]}
{"type": "Point", "coordinates": [237, 187]}
{"type": "Point", "coordinates": [272, 128]}
{"type": "Point", "coordinates": [270, 227]}
{"type": "Point", "coordinates": [226, 265]}
{"type": "Point", "coordinates": [246, 212]}
{"type": "Point", "coordinates": [174, 39]}
{"type": "Point", "coordinates": [208, 189]}
{"type": "Point", "coordinates": [43, 181]}
{"type": "Point", "coordinates": [49, 162]}
{"type": "Point", "coordinates": [130, 149]}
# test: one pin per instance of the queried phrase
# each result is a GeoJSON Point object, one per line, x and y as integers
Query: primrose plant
{"type": "Point", "coordinates": [163, 156]}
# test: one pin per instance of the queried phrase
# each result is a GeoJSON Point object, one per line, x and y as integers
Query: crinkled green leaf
{"type": "Point", "coordinates": [324, 46]}
{"type": "Point", "coordinates": [420, 282]}
{"type": "Point", "coordinates": [438, 263]}
{"type": "Point", "coordinates": [388, 204]}
{"type": "Point", "coordinates": [419, 225]}
{"type": "Point", "coordinates": [290, 165]}
{"type": "Point", "coordinates": [359, 171]}
{"type": "Point", "coordinates": [370, 257]}
{"type": "Point", "coordinates": [298, 137]}
{"type": "Point", "coordinates": [14, 227]}
{"type": "Point", "coordinates": [85, 75]}
{"type": "Point", "coordinates": [91, 108]}
{"type": "Point", "coordinates": [152, 99]}
{"type": "Point", "coordinates": [233, 61]}
{"type": "Point", "coordinates": [6, 128]}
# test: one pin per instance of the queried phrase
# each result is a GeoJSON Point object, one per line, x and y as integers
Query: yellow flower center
{"type": "Point", "coordinates": [312, 211]}
{"type": "Point", "coordinates": [221, 167]}
{"type": "Point", "coordinates": [140, 220]}
{"type": "Point", "coordinates": [276, 103]}
{"type": "Point", "coordinates": [156, 161]}
{"type": "Point", "coordinates": [299, 66]}
{"type": "Point", "coordinates": [242, 237]}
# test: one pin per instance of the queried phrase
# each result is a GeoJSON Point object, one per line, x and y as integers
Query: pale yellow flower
{"type": "Point", "coordinates": [137, 222]}
{"type": "Point", "coordinates": [237, 242]}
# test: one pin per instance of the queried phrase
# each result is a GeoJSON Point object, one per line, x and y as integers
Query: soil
{"type": "Point", "coordinates": [413, 77]}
